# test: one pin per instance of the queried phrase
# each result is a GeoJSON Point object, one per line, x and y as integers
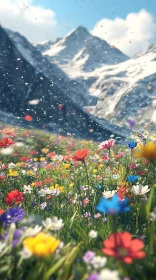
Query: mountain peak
{"type": "Point", "coordinates": [80, 31]}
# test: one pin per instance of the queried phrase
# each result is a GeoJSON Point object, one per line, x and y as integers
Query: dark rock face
{"type": "Point", "coordinates": [20, 83]}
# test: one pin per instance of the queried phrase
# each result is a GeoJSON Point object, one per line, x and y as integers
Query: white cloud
{"type": "Point", "coordinates": [34, 22]}
{"type": "Point", "coordinates": [131, 35]}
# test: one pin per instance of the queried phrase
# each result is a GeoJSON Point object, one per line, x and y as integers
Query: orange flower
{"type": "Point", "coordinates": [123, 247]}
{"type": "Point", "coordinates": [80, 155]}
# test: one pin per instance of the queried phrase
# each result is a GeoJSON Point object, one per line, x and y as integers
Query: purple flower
{"type": "Point", "coordinates": [16, 236]}
{"type": "Point", "coordinates": [93, 276]}
{"type": "Point", "coordinates": [88, 256]}
{"type": "Point", "coordinates": [104, 220]}
{"type": "Point", "coordinates": [13, 215]}
{"type": "Point", "coordinates": [87, 214]}
{"type": "Point", "coordinates": [43, 205]}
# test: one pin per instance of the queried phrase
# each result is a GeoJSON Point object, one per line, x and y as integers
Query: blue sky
{"type": "Point", "coordinates": [128, 25]}
{"type": "Point", "coordinates": [72, 13]}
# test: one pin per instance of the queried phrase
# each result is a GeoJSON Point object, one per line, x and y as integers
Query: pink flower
{"type": "Point", "coordinates": [106, 144]}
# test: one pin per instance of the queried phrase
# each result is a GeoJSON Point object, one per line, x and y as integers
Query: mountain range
{"type": "Point", "coordinates": [30, 85]}
{"type": "Point", "coordinates": [125, 87]}
{"type": "Point", "coordinates": [80, 83]}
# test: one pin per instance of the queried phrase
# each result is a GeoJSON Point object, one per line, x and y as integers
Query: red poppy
{"type": "Point", "coordinates": [15, 154]}
{"type": "Point", "coordinates": [33, 152]}
{"type": "Point", "coordinates": [52, 154]}
{"type": "Point", "coordinates": [80, 155]}
{"type": "Point", "coordinates": [48, 166]}
{"type": "Point", "coordinates": [2, 177]}
{"type": "Point", "coordinates": [1, 211]}
{"type": "Point", "coordinates": [3, 166]}
{"type": "Point", "coordinates": [38, 184]}
{"type": "Point", "coordinates": [14, 197]}
{"type": "Point", "coordinates": [24, 158]}
{"type": "Point", "coordinates": [123, 247]}
{"type": "Point", "coordinates": [6, 142]}
{"type": "Point", "coordinates": [60, 106]}
{"type": "Point", "coordinates": [28, 118]}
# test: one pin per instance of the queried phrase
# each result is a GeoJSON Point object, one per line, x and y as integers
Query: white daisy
{"type": "Point", "coordinates": [140, 189]}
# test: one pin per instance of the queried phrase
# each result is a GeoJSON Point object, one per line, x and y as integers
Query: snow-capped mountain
{"type": "Point", "coordinates": [76, 90]}
{"type": "Point", "coordinates": [80, 49]}
{"type": "Point", "coordinates": [125, 88]}
{"type": "Point", "coordinates": [128, 90]}
{"type": "Point", "coordinates": [24, 90]}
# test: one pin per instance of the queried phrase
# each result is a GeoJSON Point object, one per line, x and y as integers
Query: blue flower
{"type": "Point", "coordinates": [16, 236]}
{"type": "Point", "coordinates": [132, 178]}
{"type": "Point", "coordinates": [13, 215]}
{"type": "Point", "coordinates": [132, 145]}
{"type": "Point", "coordinates": [113, 206]}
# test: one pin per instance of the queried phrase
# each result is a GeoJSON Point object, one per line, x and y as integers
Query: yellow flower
{"type": "Point", "coordinates": [45, 150]}
{"type": "Point", "coordinates": [52, 188]}
{"type": "Point", "coordinates": [30, 172]}
{"type": "Point", "coordinates": [71, 185]}
{"type": "Point", "coordinates": [13, 173]}
{"type": "Point", "coordinates": [61, 189]}
{"type": "Point", "coordinates": [95, 171]}
{"type": "Point", "coordinates": [66, 165]}
{"type": "Point", "coordinates": [153, 137]}
{"type": "Point", "coordinates": [41, 245]}
{"type": "Point", "coordinates": [101, 165]}
{"type": "Point", "coordinates": [18, 164]}
{"type": "Point", "coordinates": [42, 158]}
{"type": "Point", "coordinates": [35, 159]}
{"type": "Point", "coordinates": [147, 151]}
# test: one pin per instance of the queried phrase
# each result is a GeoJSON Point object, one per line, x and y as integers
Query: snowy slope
{"type": "Point", "coordinates": [80, 49]}
{"type": "Point", "coordinates": [128, 90]}
{"type": "Point", "coordinates": [76, 90]}
{"type": "Point", "coordinates": [21, 85]}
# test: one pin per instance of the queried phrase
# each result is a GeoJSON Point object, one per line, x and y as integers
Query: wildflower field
{"type": "Point", "coordinates": [76, 209]}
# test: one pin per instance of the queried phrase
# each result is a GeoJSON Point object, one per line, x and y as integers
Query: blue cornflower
{"type": "Point", "coordinates": [132, 145]}
{"type": "Point", "coordinates": [133, 178]}
{"type": "Point", "coordinates": [113, 205]}
{"type": "Point", "coordinates": [13, 215]}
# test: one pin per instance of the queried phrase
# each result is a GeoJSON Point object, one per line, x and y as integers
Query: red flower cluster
{"type": "Point", "coordinates": [6, 142]}
{"type": "Point", "coordinates": [123, 247]}
{"type": "Point", "coordinates": [24, 158]}
{"type": "Point", "coordinates": [14, 197]}
{"type": "Point", "coordinates": [80, 155]}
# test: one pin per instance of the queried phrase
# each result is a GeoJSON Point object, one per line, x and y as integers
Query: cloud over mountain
{"type": "Point", "coordinates": [131, 35]}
